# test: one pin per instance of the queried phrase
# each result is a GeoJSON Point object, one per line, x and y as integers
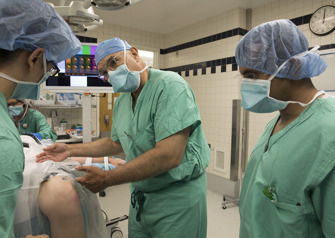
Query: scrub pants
{"type": "Point", "coordinates": [177, 211]}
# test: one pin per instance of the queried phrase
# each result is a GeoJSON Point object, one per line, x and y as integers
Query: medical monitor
{"type": "Point", "coordinates": [79, 74]}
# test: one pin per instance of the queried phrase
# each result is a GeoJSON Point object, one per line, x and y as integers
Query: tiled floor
{"type": "Point", "coordinates": [221, 223]}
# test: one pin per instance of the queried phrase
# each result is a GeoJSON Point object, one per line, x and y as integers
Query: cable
{"type": "Point", "coordinates": [106, 219]}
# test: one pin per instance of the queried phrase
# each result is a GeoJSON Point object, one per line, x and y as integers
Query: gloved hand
{"type": "Point", "coordinates": [37, 135]}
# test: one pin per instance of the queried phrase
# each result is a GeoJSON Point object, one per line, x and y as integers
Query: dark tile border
{"type": "Point", "coordinates": [219, 62]}
{"type": "Point", "coordinates": [325, 47]}
{"type": "Point", "coordinates": [224, 61]}
{"type": "Point", "coordinates": [206, 64]}
{"type": "Point", "coordinates": [301, 20]}
{"type": "Point", "coordinates": [205, 40]}
{"type": "Point", "coordinates": [220, 36]}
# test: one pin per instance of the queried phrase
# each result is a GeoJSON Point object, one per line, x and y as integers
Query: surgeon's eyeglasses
{"type": "Point", "coordinates": [54, 70]}
{"type": "Point", "coordinates": [112, 64]}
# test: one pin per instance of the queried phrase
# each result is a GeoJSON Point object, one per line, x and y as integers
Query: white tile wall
{"type": "Point", "coordinates": [224, 22]}
{"type": "Point", "coordinates": [201, 53]}
{"type": "Point", "coordinates": [140, 39]}
{"type": "Point", "coordinates": [214, 50]}
{"type": "Point", "coordinates": [214, 92]}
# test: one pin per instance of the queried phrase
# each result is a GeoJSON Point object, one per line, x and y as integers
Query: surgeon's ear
{"type": "Point", "coordinates": [35, 60]}
{"type": "Point", "coordinates": [134, 53]}
{"type": "Point", "coordinates": [294, 67]}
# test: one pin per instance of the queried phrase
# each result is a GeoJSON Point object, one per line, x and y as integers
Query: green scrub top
{"type": "Point", "coordinates": [35, 122]}
{"type": "Point", "coordinates": [297, 164]}
{"type": "Point", "coordinates": [165, 106]}
{"type": "Point", "coordinates": [174, 203]}
{"type": "Point", "coordinates": [11, 169]}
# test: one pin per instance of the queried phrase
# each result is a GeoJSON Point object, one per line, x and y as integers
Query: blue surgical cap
{"type": "Point", "coordinates": [267, 46]}
{"type": "Point", "coordinates": [109, 47]}
{"type": "Point", "coordinates": [32, 24]}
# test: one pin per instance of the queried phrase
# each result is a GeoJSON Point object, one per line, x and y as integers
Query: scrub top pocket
{"type": "Point", "coordinates": [289, 218]}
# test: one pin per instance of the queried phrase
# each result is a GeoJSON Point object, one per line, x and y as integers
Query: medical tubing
{"type": "Point", "coordinates": [138, 196]}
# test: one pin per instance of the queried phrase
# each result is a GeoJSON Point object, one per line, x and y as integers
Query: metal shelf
{"type": "Point", "coordinates": [74, 140]}
{"type": "Point", "coordinates": [59, 107]}
{"type": "Point", "coordinates": [56, 107]}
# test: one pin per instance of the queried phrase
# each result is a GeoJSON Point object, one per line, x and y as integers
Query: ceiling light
{"type": "Point", "coordinates": [113, 4]}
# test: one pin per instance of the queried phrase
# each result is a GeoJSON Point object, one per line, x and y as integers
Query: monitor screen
{"type": "Point", "coordinates": [77, 81]}
{"type": "Point", "coordinates": [62, 80]}
{"type": "Point", "coordinates": [79, 73]}
{"type": "Point", "coordinates": [82, 63]}
{"type": "Point", "coordinates": [61, 66]}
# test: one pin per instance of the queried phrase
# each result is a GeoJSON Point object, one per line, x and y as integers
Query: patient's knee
{"type": "Point", "coordinates": [58, 195]}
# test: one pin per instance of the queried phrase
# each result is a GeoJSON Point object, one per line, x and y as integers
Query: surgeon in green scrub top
{"type": "Point", "coordinates": [30, 121]}
{"type": "Point", "coordinates": [289, 184]}
{"type": "Point", "coordinates": [28, 54]}
{"type": "Point", "coordinates": [157, 124]}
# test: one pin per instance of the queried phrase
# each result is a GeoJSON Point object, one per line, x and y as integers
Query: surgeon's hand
{"type": "Point", "coordinates": [56, 152]}
{"type": "Point", "coordinates": [94, 180]}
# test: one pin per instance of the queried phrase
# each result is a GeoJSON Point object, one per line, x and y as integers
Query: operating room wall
{"type": "Point", "coordinates": [204, 58]}
{"type": "Point", "coordinates": [140, 39]}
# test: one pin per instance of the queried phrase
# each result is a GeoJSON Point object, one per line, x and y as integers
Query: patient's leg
{"type": "Point", "coordinates": [60, 202]}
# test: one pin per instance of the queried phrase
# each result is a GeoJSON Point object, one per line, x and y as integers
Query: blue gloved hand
{"type": "Point", "coordinates": [37, 135]}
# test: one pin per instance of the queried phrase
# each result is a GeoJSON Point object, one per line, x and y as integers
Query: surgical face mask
{"type": "Point", "coordinates": [124, 80]}
{"type": "Point", "coordinates": [15, 111]}
{"type": "Point", "coordinates": [28, 90]}
{"type": "Point", "coordinates": [256, 94]}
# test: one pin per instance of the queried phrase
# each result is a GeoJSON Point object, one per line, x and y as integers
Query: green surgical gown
{"type": "Point", "coordinates": [35, 122]}
{"type": "Point", "coordinates": [11, 168]}
{"type": "Point", "coordinates": [176, 199]}
{"type": "Point", "coordinates": [297, 163]}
